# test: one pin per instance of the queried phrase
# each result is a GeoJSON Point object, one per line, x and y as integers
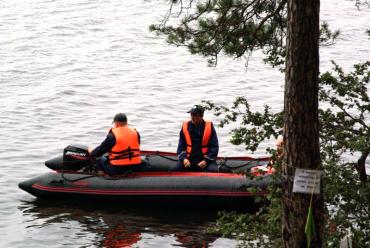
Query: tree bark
{"type": "Point", "coordinates": [361, 167]}
{"type": "Point", "coordinates": [301, 123]}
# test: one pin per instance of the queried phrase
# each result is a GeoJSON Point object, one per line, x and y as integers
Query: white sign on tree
{"type": "Point", "coordinates": [307, 181]}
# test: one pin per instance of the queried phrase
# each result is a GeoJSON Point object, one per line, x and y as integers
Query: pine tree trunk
{"type": "Point", "coordinates": [301, 124]}
{"type": "Point", "coordinates": [361, 167]}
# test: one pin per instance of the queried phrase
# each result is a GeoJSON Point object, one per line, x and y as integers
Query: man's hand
{"type": "Point", "coordinates": [186, 163]}
{"type": "Point", "coordinates": [89, 149]}
{"type": "Point", "coordinates": [202, 164]}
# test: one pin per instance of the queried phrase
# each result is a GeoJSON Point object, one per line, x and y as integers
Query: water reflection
{"type": "Point", "coordinates": [117, 226]}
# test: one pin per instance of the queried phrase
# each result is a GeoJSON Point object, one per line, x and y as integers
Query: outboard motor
{"type": "Point", "coordinates": [75, 157]}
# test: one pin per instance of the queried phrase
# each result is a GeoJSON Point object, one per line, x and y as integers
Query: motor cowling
{"type": "Point", "coordinates": [74, 157]}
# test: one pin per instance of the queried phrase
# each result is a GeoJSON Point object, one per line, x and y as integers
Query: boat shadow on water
{"type": "Point", "coordinates": [124, 225]}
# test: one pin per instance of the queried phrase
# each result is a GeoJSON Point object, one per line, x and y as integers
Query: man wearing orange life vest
{"type": "Point", "coordinates": [123, 147]}
{"type": "Point", "coordinates": [198, 144]}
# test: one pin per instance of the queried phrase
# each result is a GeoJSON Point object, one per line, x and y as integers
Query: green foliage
{"type": "Point", "coordinates": [359, 3]}
{"type": "Point", "coordinates": [327, 37]}
{"type": "Point", "coordinates": [250, 229]}
{"type": "Point", "coordinates": [344, 114]}
{"type": "Point", "coordinates": [240, 27]}
{"type": "Point", "coordinates": [254, 126]}
{"type": "Point", "coordinates": [343, 120]}
{"type": "Point", "coordinates": [347, 204]}
{"type": "Point", "coordinates": [233, 27]}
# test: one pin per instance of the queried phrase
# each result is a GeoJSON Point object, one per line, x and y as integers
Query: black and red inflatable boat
{"type": "Point", "coordinates": [72, 179]}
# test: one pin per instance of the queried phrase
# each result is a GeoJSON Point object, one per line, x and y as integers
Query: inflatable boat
{"type": "Point", "coordinates": [73, 178]}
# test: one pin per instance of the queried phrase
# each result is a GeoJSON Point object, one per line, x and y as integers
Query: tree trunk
{"type": "Point", "coordinates": [361, 167]}
{"type": "Point", "coordinates": [301, 132]}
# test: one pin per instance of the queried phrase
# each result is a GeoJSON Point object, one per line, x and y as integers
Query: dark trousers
{"type": "Point", "coordinates": [104, 165]}
{"type": "Point", "coordinates": [211, 167]}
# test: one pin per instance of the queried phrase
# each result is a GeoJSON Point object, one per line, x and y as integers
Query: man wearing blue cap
{"type": "Point", "coordinates": [198, 144]}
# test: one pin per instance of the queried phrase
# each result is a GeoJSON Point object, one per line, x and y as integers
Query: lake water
{"type": "Point", "coordinates": [66, 67]}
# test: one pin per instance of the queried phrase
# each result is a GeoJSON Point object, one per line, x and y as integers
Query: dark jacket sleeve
{"type": "Point", "coordinates": [213, 145]}
{"type": "Point", "coordinates": [105, 146]}
{"type": "Point", "coordinates": [138, 136]}
{"type": "Point", "coordinates": [181, 147]}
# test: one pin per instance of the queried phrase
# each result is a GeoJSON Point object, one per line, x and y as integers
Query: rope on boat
{"type": "Point", "coordinates": [223, 163]}
{"type": "Point", "coordinates": [75, 180]}
{"type": "Point", "coordinates": [78, 179]}
{"type": "Point", "coordinates": [162, 156]}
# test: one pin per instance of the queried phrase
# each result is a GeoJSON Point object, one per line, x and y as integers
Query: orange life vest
{"type": "Point", "coordinates": [205, 140]}
{"type": "Point", "coordinates": [126, 151]}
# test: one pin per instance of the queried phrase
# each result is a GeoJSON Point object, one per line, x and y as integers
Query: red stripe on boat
{"type": "Point", "coordinates": [184, 174]}
{"type": "Point", "coordinates": [145, 192]}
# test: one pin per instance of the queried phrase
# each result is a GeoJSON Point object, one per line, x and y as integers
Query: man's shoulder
{"type": "Point", "coordinates": [111, 136]}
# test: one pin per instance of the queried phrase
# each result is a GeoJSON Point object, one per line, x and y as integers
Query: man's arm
{"type": "Point", "coordinates": [181, 147]}
{"type": "Point", "coordinates": [105, 146]}
{"type": "Point", "coordinates": [212, 145]}
{"type": "Point", "coordinates": [138, 136]}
